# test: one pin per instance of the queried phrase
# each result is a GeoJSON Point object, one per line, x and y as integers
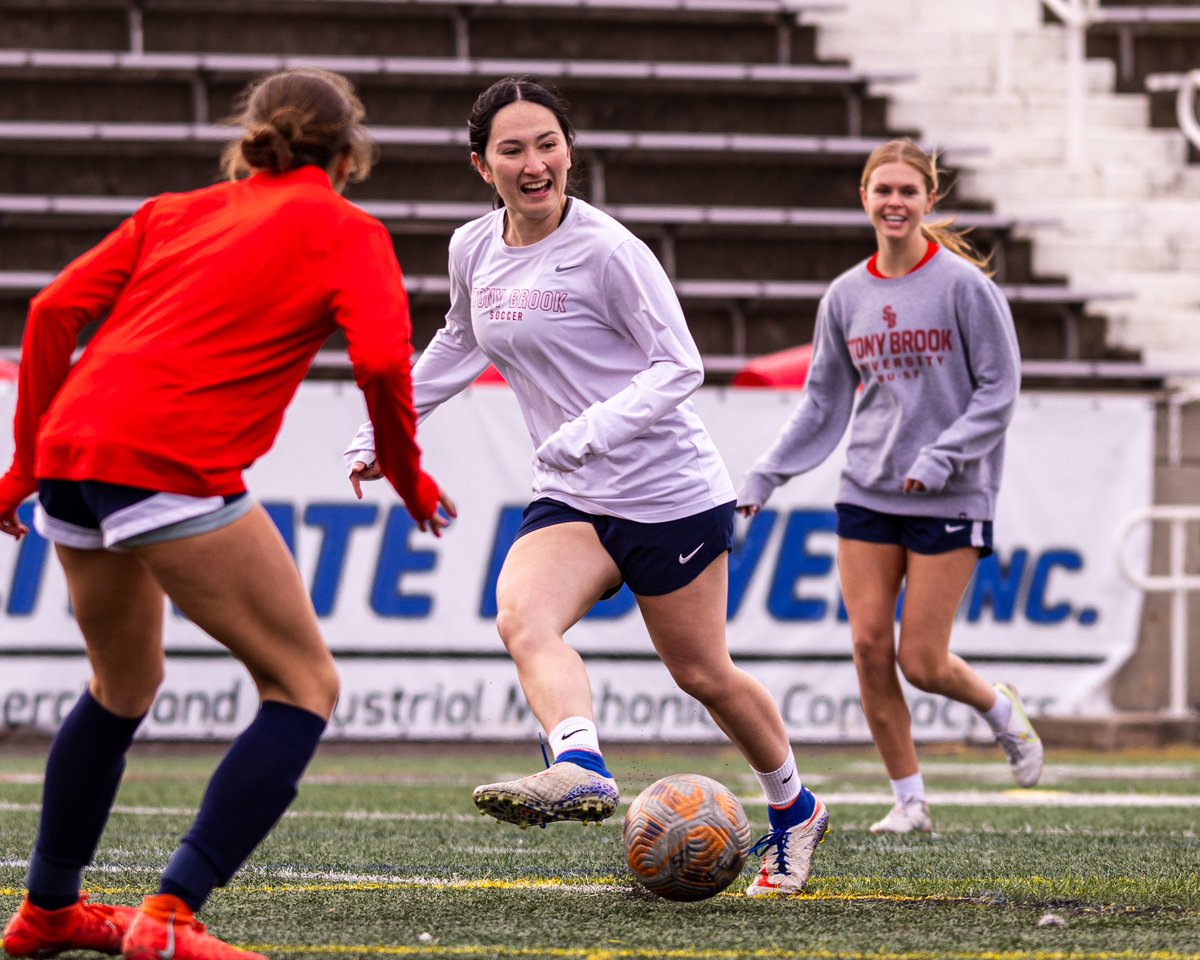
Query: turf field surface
{"type": "Point", "coordinates": [383, 855]}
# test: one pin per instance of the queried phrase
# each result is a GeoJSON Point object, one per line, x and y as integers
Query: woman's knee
{"type": "Point", "coordinates": [706, 683]}
{"type": "Point", "coordinates": [521, 632]}
{"type": "Point", "coordinates": [327, 688]}
{"type": "Point", "coordinates": [310, 682]}
{"type": "Point", "coordinates": [129, 692]}
{"type": "Point", "coordinates": [924, 671]}
{"type": "Point", "coordinates": [875, 647]}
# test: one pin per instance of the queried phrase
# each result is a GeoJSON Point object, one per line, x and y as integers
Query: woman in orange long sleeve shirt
{"type": "Point", "coordinates": [216, 302]}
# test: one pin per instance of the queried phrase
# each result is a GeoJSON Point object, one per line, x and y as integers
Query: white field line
{"type": "Point", "coordinates": [291, 814]}
{"type": "Point", "coordinates": [1052, 771]}
{"type": "Point", "coordinates": [948, 798]}
{"type": "Point", "coordinates": [1016, 798]}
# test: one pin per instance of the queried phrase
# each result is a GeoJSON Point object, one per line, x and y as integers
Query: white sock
{"type": "Point", "coordinates": [997, 718]}
{"type": "Point", "coordinates": [909, 789]}
{"type": "Point", "coordinates": [574, 733]}
{"type": "Point", "coordinates": [781, 786]}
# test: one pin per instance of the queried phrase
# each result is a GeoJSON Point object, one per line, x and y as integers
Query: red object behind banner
{"type": "Point", "coordinates": [8, 371]}
{"type": "Point", "coordinates": [785, 369]}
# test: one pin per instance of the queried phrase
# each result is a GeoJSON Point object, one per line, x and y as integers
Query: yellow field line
{"type": "Point", "coordinates": [843, 890]}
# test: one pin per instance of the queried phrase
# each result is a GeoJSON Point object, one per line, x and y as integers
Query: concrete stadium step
{"type": "Point", "coordinates": [1006, 117]}
{"type": "Point", "coordinates": [906, 15]}
{"type": "Point", "coordinates": [1124, 163]}
{"type": "Point", "coordinates": [1154, 219]}
{"type": "Point", "coordinates": [1127, 181]}
{"type": "Point", "coordinates": [1110, 254]}
{"type": "Point", "coordinates": [968, 62]}
{"type": "Point", "coordinates": [1172, 289]}
{"type": "Point", "coordinates": [1166, 334]}
{"type": "Point", "coordinates": [1041, 147]}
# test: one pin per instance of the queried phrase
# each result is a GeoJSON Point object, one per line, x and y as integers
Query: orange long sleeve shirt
{"type": "Point", "coordinates": [217, 302]}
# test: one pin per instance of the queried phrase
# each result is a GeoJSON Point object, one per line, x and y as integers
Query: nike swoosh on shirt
{"type": "Point", "coordinates": [951, 528]}
{"type": "Point", "coordinates": [562, 267]}
{"type": "Point", "coordinates": [683, 559]}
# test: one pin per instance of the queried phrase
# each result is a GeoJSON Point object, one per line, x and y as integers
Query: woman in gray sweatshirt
{"type": "Point", "coordinates": [929, 338]}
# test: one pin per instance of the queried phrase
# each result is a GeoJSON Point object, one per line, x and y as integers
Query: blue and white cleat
{"type": "Point", "coordinates": [563, 791]}
{"type": "Point", "coordinates": [788, 856]}
{"type": "Point", "coordinates": [1020, 741]}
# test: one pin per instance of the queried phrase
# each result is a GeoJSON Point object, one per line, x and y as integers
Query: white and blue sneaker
{"type": "Point", "coordinates": [1020, 741]}
{"type": "Point", "coordinates": [788, 855]}
{"type": "Point", "coordinates": [563, 791]}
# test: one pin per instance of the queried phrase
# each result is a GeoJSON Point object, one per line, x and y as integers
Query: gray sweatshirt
{"type": "Point", "coordinates": [936, 354]}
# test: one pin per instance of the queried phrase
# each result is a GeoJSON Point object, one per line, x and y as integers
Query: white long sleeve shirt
{"type": "Point", "coordinates": [585, 327]}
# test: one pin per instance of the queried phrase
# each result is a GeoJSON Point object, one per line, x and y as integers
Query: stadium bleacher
{"type": "Point", "coordinates": [1145, 39]}
{"type": "Point", "coordinates": [709, 126]}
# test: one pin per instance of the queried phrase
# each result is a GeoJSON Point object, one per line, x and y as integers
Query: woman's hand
{"type": "Point", "coordinates": [360, 471]}
{"type": "Point", "coordinates": [747, 510]}
{"type": "Point", "coordinates": [913, 486]}
{"type": "Point", "coordinates": [437, 523]}
{"type": "Point", "coordinates": [11, 525]}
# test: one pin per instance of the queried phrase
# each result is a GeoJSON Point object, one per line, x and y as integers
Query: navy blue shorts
{"type": "Point", "coordinates": [92, 515]}
{"type": "Point", "coordinates": [654, 558]}
{"type": "Point", "coordinates": [928, 535]}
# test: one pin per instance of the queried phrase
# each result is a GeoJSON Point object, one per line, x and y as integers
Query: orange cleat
{"type": "Point", "coordinates": [166, 929]}
{"type": "Point", "coordinates": [34, 932]}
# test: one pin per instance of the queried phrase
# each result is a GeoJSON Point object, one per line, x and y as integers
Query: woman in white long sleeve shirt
{"type": "Point", "coordinates": [580, 319]}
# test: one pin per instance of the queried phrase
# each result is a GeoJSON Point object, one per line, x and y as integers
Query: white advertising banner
{"type": "Point", "coordinates": [411, 618]}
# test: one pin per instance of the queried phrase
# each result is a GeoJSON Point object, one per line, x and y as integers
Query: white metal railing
{"type": "Point", "coordinates": [1175, 581]}
{"type": "Point", "coordinates": [1077, 16]}
{"type": "Point", "coordinates": [1187, 92]}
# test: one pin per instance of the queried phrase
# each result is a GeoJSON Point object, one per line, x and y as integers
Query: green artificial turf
{"type": "Point", "coordinates": [384, 855]}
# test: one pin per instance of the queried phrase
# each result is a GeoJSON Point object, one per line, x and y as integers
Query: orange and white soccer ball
{"type": "Point", "coordinates": [686, 837]}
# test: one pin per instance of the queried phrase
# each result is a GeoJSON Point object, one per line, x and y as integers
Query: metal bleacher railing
{"type": "Point", "coordinates": [785, 12]}
{"type": "Point", "coordinates": [1187, 97]}
{"type": "Point", "coordinates": [199, 68]}
{"type": "Point", "coordinates": [1176, 581]}
{"type": "Point", "coordinates": [1078, 16]}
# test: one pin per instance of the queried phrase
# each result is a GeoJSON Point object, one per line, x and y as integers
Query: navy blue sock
{"type": "Point", "coordinates": [248, 793]}
{"type": "Point", "coordinates": [799, 810]}
{"type": "Point", "coordinates": [586, 759]}
{"type": "Point", "coordinates": [83, 772]}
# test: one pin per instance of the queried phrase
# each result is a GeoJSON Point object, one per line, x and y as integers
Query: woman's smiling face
{"type": "Point", "coordinates": [527, 160]}
{"type": "Point", "coordinates": [896, 198]}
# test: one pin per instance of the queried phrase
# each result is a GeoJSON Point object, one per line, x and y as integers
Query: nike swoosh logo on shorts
{"type": "Point", "coordinates": [683, 559]}
{"type": "Point", "coordinates": [951, 528]}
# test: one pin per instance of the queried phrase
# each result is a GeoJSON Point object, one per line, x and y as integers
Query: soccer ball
{"type": "Point", "coordinates": [686, 837]}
